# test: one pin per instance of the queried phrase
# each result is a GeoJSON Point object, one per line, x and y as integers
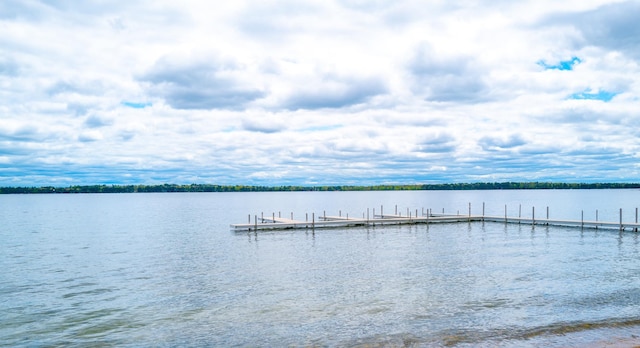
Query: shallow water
{"type": "Point", "coordinates": [165, 270]}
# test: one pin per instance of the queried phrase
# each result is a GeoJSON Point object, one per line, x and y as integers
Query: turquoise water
{"type": "Point", "coordinates": [166, 270]}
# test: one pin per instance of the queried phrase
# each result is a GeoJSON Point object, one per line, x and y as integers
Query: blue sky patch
{"type": "Point", "coordinates": [588, 95]}
{"type": "Point", "coordinates": [136, 105]}
{"type": "Point", "coordinates": [320, 128]}
{"type": "Point", "coordinates": [562, 65]}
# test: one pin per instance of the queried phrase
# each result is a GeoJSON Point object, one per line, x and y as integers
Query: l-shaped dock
{"type": "Point", "coordinates": [273, 222]}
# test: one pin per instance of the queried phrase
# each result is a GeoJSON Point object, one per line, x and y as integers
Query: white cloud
{"type": "Point", "coordinates": [320, 92]}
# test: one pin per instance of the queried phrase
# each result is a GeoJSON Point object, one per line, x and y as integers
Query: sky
{"type": "Point", "coordinates": [328, 92]}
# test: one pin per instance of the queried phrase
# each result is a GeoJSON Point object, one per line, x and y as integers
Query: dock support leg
{"type": "Point", "coordinates": [519, 213]}
{"type": "Point", "coordinates": [621, 219]}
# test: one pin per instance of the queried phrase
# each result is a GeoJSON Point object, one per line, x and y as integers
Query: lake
{"type": "Point", "coordinates": [165, 269]}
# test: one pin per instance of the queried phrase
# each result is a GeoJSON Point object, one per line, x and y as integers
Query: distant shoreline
{"type": "Point", "coordinates": [299, 188]}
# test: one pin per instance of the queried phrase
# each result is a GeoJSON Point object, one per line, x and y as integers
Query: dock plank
{"type": "Point", "coordinates": [273, 223]}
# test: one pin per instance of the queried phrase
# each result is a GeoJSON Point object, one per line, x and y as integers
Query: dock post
{"type": "Point", "coordinates": [313, 220]}
{"type": "Point", "coordinates": [340, 213]}
{"type": "Point", "coordinates": [469, 219]}
{"type": "Point", "coordinates": [255, 228]}
{"type": "Point", "coordinates": [636, 228]}
{"type": "Point", "coordinates": [306, 217]}
{"type": "Point", "coordinates": [273, 217]}
{"type": "Point", "coordinates": [505, 213]}
{"type": "Point", "coordinates": [519, 213]}
{"type": "Point", "coordinates": [279, 214]}
{"type": "Point", "coordinates": [582, 220]}
{"type": "Point", "coordinates": [396, 213]}
{"type": "Point", "coordinates": [367, 214]}
{"type": "Point", "coordinates": [533, 216]}
{"type": "Point", "coordinates": [291, 215]}
{"type": "Point", "coordinates": [482, 211]}
{"type": "Point", "coordinates": [621, 228]}
{"type": "Point", "coordinates": [262, 216]}
{"type": "Point", "coordinates": [381, 211]}
{"type": "Point", "coordinates": [249, 218]}
{"type": "Point", "coordinates": [416, 213]}
{"type": "Point", "coordinates": [324, 212]}
{"type": "Point", "coordinates": [596, 219]}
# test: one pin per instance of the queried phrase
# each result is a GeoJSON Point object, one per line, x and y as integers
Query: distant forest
{"type": "Point", "coordinates": [245, 188]}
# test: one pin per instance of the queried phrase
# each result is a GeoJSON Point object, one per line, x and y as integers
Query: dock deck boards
{"type": "Point", "coordinates": [275, 223]}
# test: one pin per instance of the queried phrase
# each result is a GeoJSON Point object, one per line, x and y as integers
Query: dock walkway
{"type": "Point", "coordinates": [323, 221]}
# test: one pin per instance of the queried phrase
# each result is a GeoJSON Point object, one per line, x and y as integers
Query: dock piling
{"type": "Point", "coordinates": [533, 215]}
{"type": "Point", "coordinates": [519, 213]}
{"type": "Point", "coordinates": [621, 228]}
{"type": "Point", "coordinates": [505, 213]}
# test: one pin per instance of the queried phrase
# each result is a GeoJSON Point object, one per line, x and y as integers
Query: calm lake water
{"type": "Point", "coordinates": [166, 270]}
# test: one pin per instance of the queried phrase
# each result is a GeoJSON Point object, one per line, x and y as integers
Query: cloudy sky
{"type": "Point", "coordinates": [318, 92]}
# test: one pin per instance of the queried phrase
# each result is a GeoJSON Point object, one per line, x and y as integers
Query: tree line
{"type": "Point", "coordinates": [250, 188]}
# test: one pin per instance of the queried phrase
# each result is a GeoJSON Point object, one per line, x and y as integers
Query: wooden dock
{"type": "Point", "coordinates": [323, 221]}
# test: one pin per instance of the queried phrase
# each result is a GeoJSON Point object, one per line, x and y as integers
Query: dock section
{"type": "Point", "coordinates": [258, 223]}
